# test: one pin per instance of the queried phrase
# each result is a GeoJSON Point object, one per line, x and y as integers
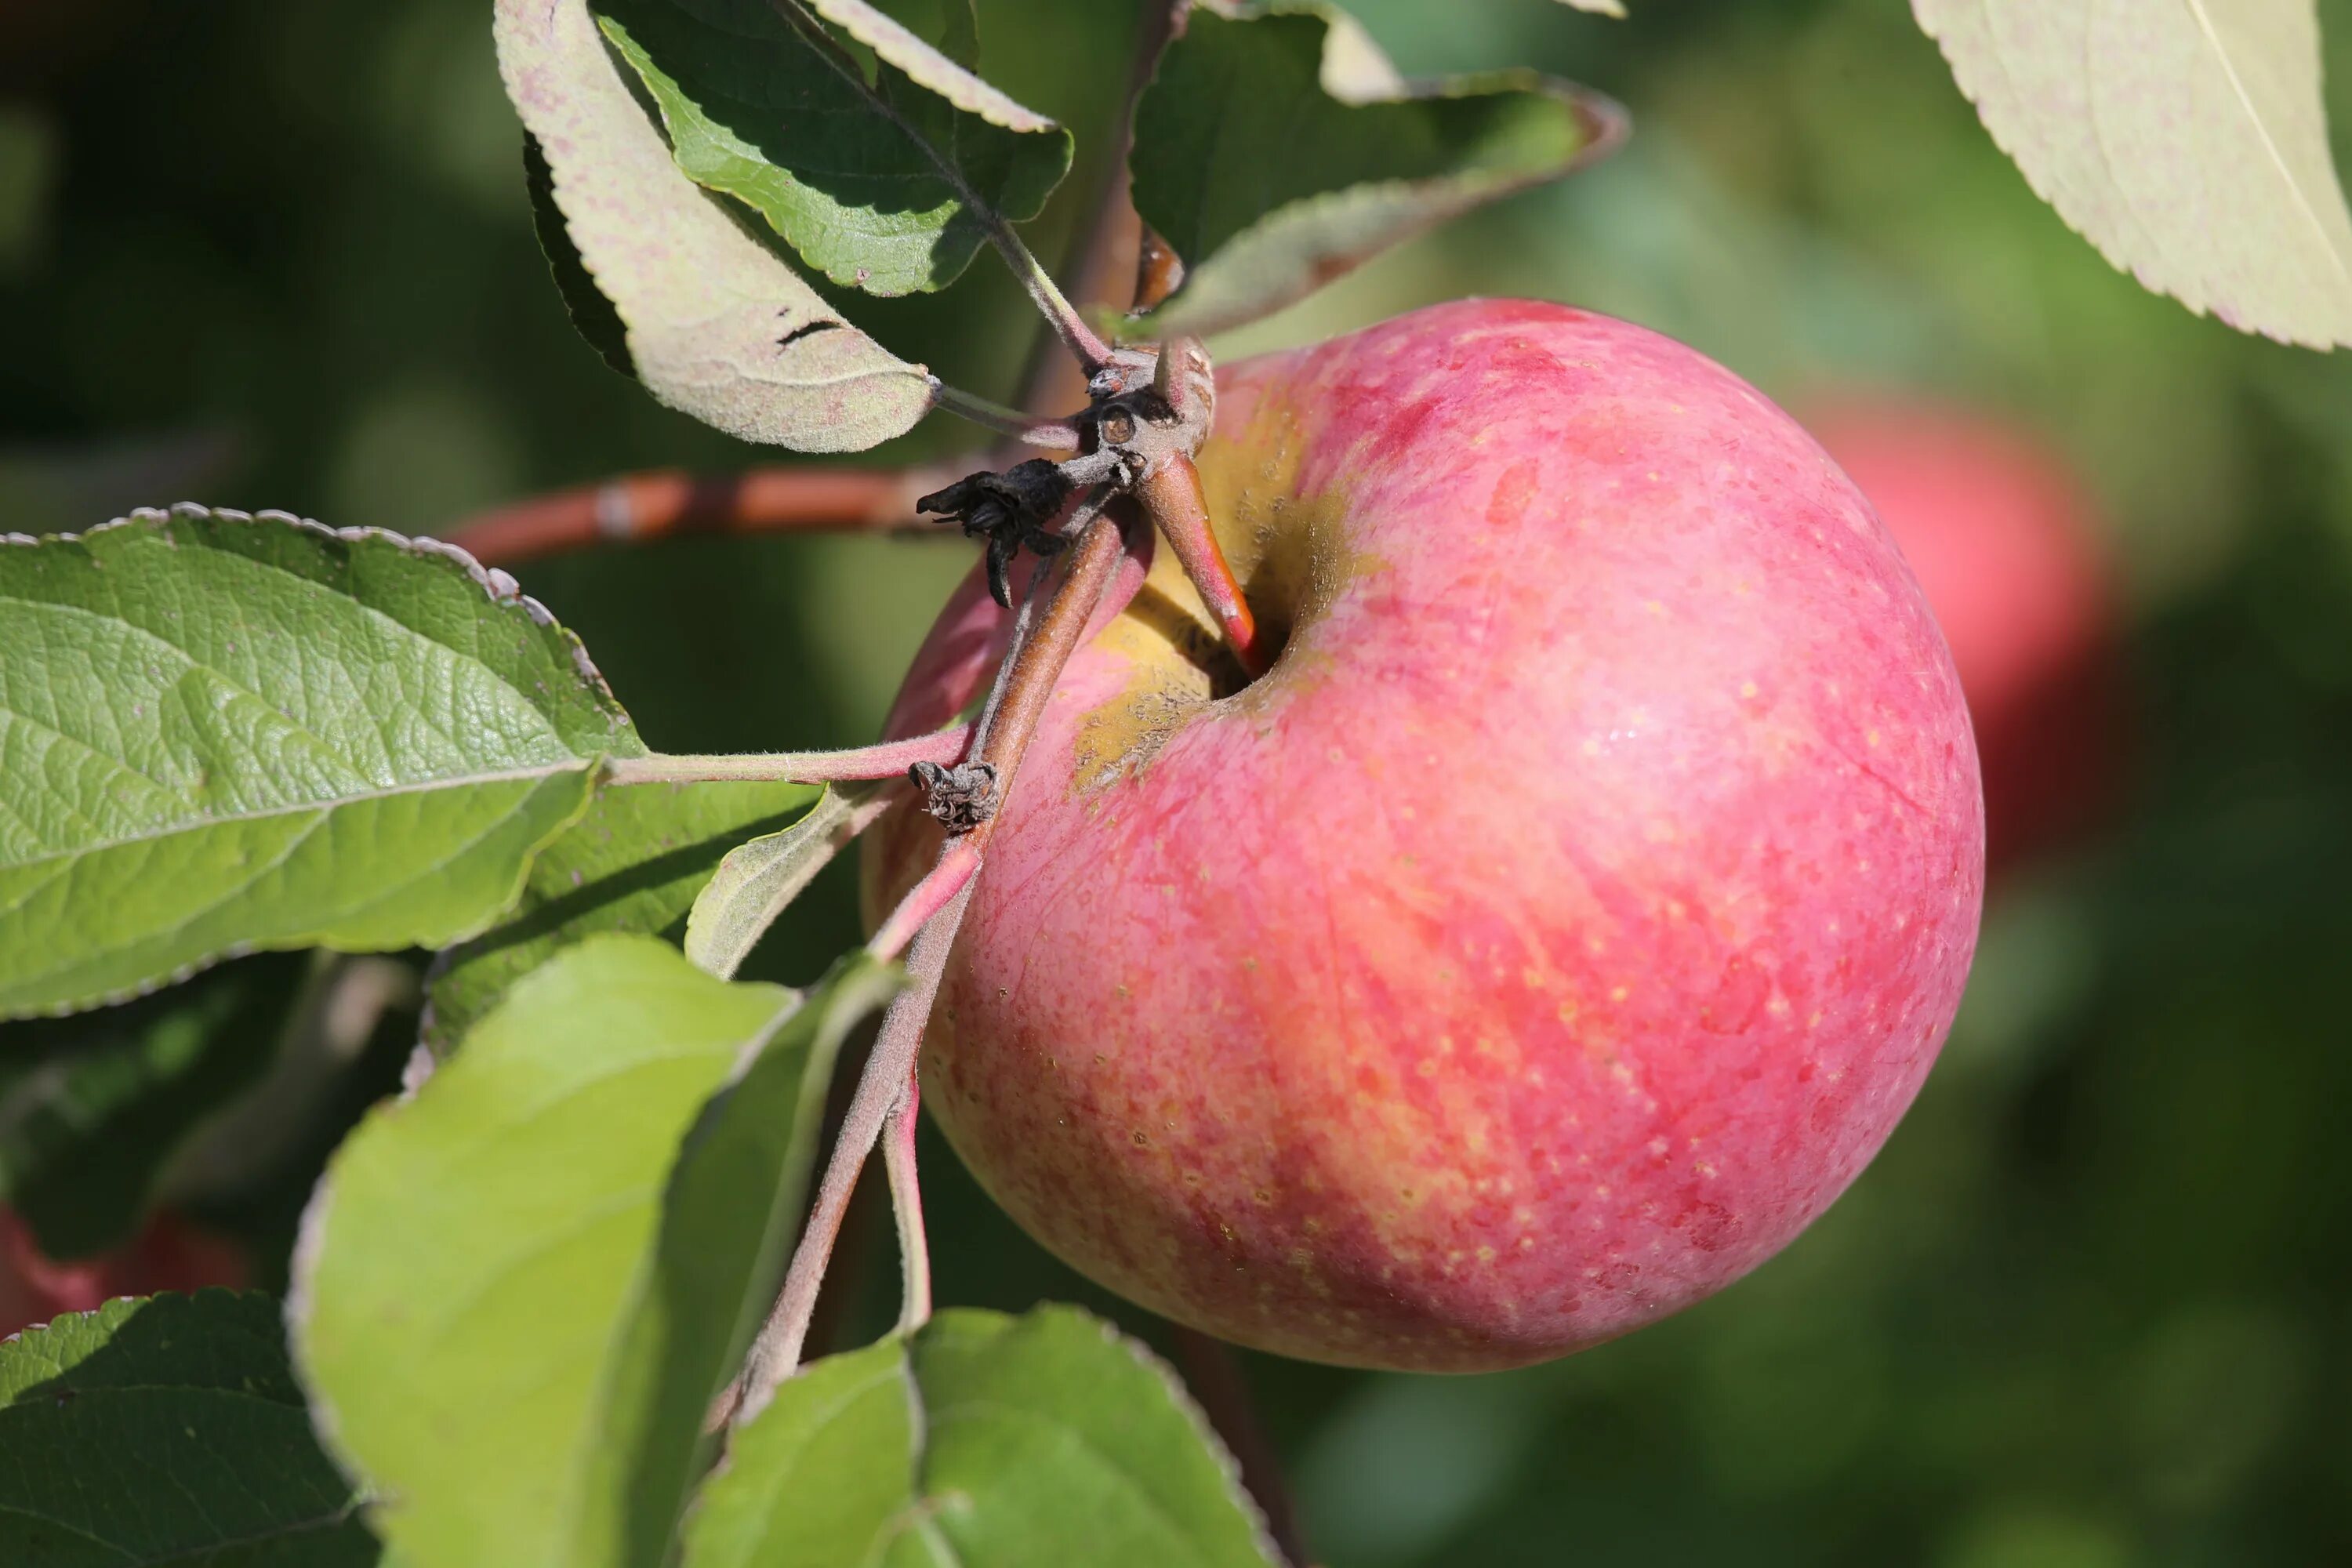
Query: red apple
{"type": "Point", "coordinates": [167, 1255]}
{"type": "Point", "coordinates": [2006, 548]}
{"type": "Point", "coordinates": [1558, 927]}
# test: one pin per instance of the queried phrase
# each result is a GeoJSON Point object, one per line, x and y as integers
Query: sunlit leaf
{"type": "Point", "coordinates": [2187, 139]}
{"type": "Point", "coordinates": [634, 862]}
{"type": "Point", "coordinates": [883, 184]}
{"type": "Point", "coordinates": [221, 733]}
{"type": "Point", "coordinates": [167, 1430]}
{"type": "Point", "coordinates": [718, 324]}
{"type": "Point", "coordinates": [1277, 149]}
{"type": "Point", "coordinates": [985, 1441]}
{"type": "Point", "coordinates": [520, 1290]}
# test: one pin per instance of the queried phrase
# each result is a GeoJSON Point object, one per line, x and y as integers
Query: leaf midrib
{"type": "Point", "coordinates": [2201, 12]}
{"type": "Point", "coordinates": [300, 809]}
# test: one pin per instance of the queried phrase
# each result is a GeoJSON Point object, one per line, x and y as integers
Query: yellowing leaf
{"type": "Point", "coordinates": [718, 325]}
{"type": "Point", "coordinates": [2186, 138]}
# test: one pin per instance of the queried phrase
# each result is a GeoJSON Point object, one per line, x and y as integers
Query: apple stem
{"type": "Point", "coordinates": [906, 1206]}
{"type": "Point", "coordinates": [889, 760]}
{"type": "Point", "coordinates": [1214, 1375]}
{"type": "Point", "coordinates": [1176, 505]}
{"type": "Point", "coordinates": [1033, 666]}
{"type": "Point", "coordinates": [1025, 429]}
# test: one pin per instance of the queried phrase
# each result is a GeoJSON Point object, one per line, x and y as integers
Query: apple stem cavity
{"type": "Point", "coordinates": [1178, 507]}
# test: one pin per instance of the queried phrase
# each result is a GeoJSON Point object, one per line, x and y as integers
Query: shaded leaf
{"type": "Point", "coordinates": [718, 325]}
{"type": "Point", "coordinates": [1364, 161]}
{"type": "Point", "coordinates": [93, 1107]}
{"type": "Point", "coordinates": [986, 1441]}
{"type": "Point", "coordinates": [2187, 141]}
{"type": "Point", "coordinates": [757, 880]}
{"type": "Point", "coordinates": [220, 733]}
{"type": "Point", "coordinates": [936, 43]}
{"type": "Point", "coordinates": [167, 1430]}
{"type": "Point", "coordinates": [593, 315]}
{"type": "Point", "coordinates": [634, 862]}
{"type": "Point", "coordinates": [520, 1290]}
{"type": "Point", "coordinates": [884, 185]}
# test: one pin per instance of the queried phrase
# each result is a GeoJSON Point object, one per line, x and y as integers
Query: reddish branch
{"type": "Point", "coordinates": [636, 506]}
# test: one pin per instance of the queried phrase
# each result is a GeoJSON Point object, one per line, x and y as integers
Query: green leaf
{"type": "Point", "coordinates": [94, 1108]}
{"type": "Point", "coordinates": [520, 1289]}
{"type": "Point", "coordinates": [167, 1430]}
{"type": "Point", "coordinates": [1277, 149]}
{"type": "Point", "coordinates": [756, 881]}
{"type": "Point", "coordinates": [886, 184]}
{"type": "Point", "coordinates": [635, 862]}
{"type": "Point", "coordinates": [2187, 142]}
{"type": "Point", "coordinates": [718, 325]}
{"type": "Point", "coordinates": [221, 733]}
{"type": "Point", "coordinates": [1601, 7]}
{"type": "Point", "coordinates": [985, 1441]}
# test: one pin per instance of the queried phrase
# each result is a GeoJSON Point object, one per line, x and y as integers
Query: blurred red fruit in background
{"type": "Point", "coordinates": [2006, 546]}
{"type": "Point", "coordinates": [169, 1255]}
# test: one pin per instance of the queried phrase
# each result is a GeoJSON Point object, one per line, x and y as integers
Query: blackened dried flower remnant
{"type": "Point", "coordinates": [1009, 509]}
{"type": "Point", "coordinates": [961, 798]}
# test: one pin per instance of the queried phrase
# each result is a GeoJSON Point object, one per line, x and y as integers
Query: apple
{"type": "Point", "coordinates": [168, 1254]}
{"type": "Point", "coordinates": [1554, 931]}
{"type": "Point", "coordinates": [2007, 548]}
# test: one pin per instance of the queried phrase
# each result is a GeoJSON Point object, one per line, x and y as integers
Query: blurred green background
{"type": "Point", "coordinates": [2089, 1308]}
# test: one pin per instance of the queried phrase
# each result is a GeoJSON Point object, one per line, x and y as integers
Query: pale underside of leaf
{"type": "Point", "coordinates": [894, 41]}
{"type": "Point", "coordinates": [1373, 159]}
{"type": "Point", "coordinates": [1600, 7]}
{"type": "Point", "coordinates": [221, 733]}
{"type": "Point", "coordinates": [2186, 138]}
{"type": "Point", "coordinates": [758, 880]}
{"type": "Point", "coordinates": [719, 325]}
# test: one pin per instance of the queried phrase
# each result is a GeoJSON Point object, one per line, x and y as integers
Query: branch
{"type": "Point", "coordinates": [889, 760]}
{"type": "Point", "coordinates": [636, 506]}
{"type": "Point", "coordinates": [1026, 679]}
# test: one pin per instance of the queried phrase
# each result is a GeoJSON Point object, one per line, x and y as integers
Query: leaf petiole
{"type": "Point", "coordinates": [887, 761]}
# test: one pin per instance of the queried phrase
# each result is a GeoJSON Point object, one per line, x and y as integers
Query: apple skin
{"type": "Point", "coordinates": [1556, 929]}
{"type": "Point", "coordinates": [2007, 548]}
